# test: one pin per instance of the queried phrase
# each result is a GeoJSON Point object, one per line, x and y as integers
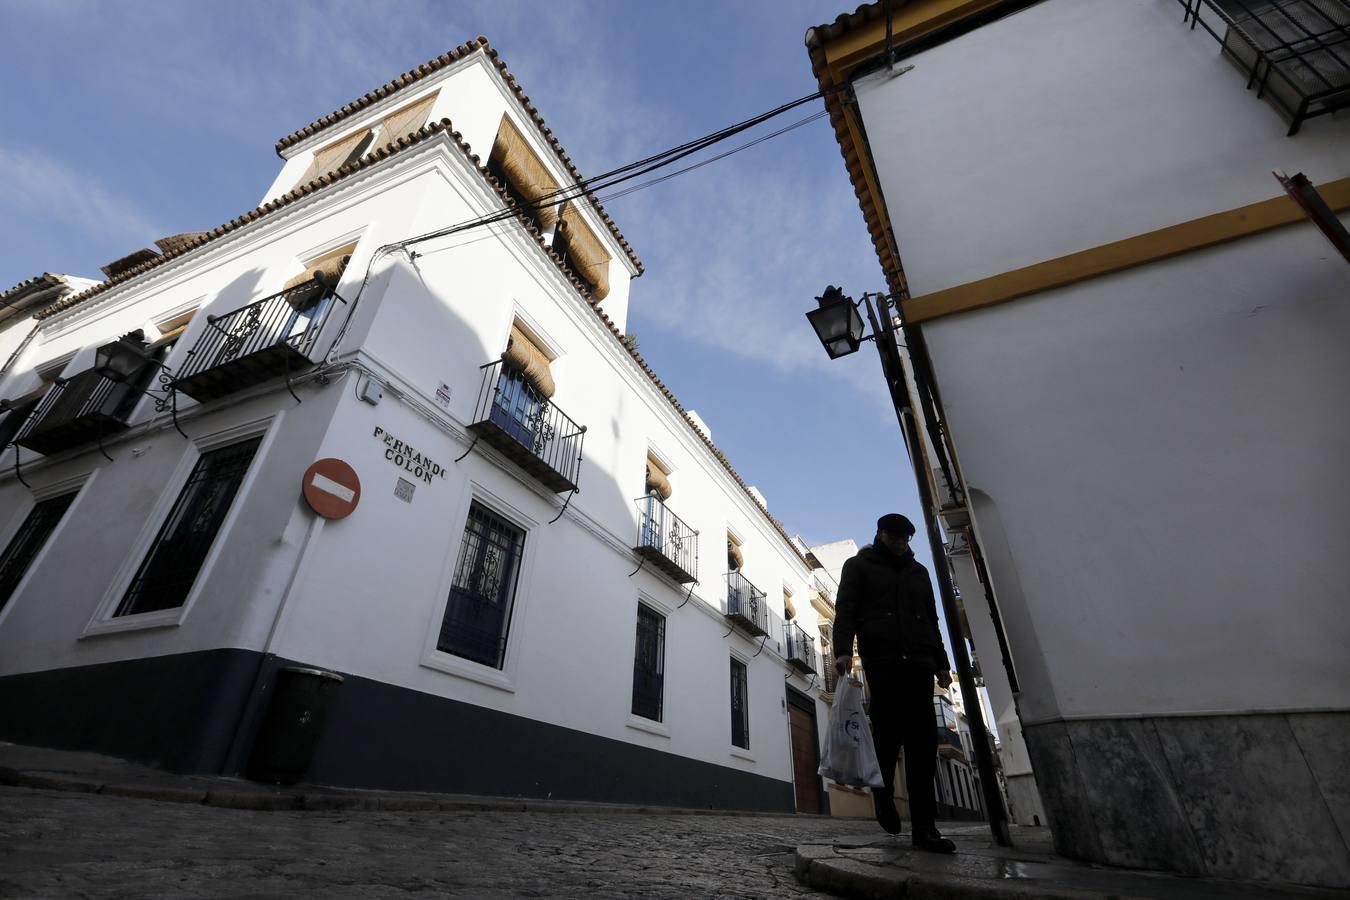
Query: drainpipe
{"type": "Point", "coordinates": [984, 759]}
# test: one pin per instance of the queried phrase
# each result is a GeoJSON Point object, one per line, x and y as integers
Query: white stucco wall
{"type": "Point", "coordinates": [365, 595]}
{"type": "Point", "coordinates": [1068, 125]}
{"type": "Point", "coordinates": [1150, 454]}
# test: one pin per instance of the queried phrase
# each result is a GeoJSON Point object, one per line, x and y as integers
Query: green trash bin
{"type": "Point", "coordinates": [294, 722]}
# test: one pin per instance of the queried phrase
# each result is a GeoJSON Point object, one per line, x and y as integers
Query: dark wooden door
{"type": "Point", "coordinates": [805, 759]}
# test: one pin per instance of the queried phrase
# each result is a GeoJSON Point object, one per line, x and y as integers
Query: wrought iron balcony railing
{"type": "Point", "coordinates": [274, 336]}
{"type": "Point", "coordinates": [747, 605]}
{"type": "Point", "coordinates": [86, 407]}
{"type": "Point", "coordinates": [666, 541]}
{"type": "Point", "coordinates": [528, 428]}
{"type": "Point", "coordinates": [801, 648]}
{"type": "Point", "coordinates": [1296, 53]}
{"type": "Point", "coordinates": [949, 743]}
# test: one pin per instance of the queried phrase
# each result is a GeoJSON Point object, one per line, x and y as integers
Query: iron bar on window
{"type": "Point", "coordinates": [478, 612]}
{"type": "Point", "coordinates": [649, 664]}
{"type": "Point", "coordinates": [184, 540]}
{"type": "Point", "coordinates": [32, 535]}
{"type": "Point", "coordinates": [740, 706]}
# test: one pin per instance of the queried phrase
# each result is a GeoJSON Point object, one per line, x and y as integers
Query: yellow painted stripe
{"type": "Point", "coordinates": [1120, 255]}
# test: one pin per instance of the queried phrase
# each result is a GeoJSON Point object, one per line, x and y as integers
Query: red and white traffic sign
{"type": "Point", "coordinates": [331, 488]}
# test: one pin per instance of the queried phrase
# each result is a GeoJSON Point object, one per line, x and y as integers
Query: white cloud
{"type": "Point", "coordinates": [41, 187]}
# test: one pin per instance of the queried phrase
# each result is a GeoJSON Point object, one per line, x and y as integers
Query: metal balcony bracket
{"type": "Point", "coordinates": [472, 444]}
{"type": "Point", "coordinates": [641, 563]}
{"type": "Point", "coordinates": [689, 595]}
{"type": "Point", "coordinates": [568, 502]}
{"type": "Point", "coordinates": [762, 642]}
{"type": "Point", "coordinates": [286, 361]}
{"type": "Point", "coordinates": [18, 473]}
{"type": "Point", "coordinates": [101, 449]}
{"type": "Point", "coordinates": [169, 399]}
{"type": "Point", "coordinates": [730, 629]}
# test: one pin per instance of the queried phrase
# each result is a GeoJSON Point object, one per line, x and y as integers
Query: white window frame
{"type": "Point", "coordinates": [103, 620]}
{"type": "Point", "coordinates": [503, 679]}
{"type": "Point", "coordinates": [636, 722]}
{"type": "Point", "coordinates": [79, 484]}
{"type": "Point", "coordinates": [739, 752]}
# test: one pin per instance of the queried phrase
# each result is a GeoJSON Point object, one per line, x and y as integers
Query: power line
{"type": "Point", "coordinates": [629, 171]}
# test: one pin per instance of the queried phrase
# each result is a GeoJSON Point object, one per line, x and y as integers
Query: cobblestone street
{"type": "Point", "coordinates": [56, 844]}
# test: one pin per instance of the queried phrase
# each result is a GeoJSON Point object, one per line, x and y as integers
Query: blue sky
{"type": "Point", "coordinates": [123, 122]}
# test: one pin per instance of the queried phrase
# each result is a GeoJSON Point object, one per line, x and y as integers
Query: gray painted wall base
{"type": "Point", "coordinates": [1260, 797]}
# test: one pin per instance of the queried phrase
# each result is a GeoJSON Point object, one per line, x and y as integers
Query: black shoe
{"type": "Point", "coordinates": [933, 842]}
{"type": "Point", "coordinates": [887, 817]}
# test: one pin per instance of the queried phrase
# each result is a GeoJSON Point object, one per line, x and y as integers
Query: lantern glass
{"type": "Point", "coordinates": [119, 360]}
{"type": "Point", "coordinates": [837, 324]}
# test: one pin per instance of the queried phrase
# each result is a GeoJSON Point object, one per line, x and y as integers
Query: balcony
{"type": "Point", "coordinates": [1296, 53]}
{"type": "Point", "coordinates": [275, 336]}
{"type": "Point", "coordinates": [801, 649]}
{"type": "Point", "coordinates": [528, 428]}
{"type": "Point", "coordinates": [666, 541]}
{"type": "Point", "coordinates": [86, 407]}
{"type": "Point", "coordinates": [949, 744]}
{"type": "Point", "coordinates": [747, 606]}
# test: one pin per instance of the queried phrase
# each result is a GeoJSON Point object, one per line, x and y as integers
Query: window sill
{"type": "Point", "coordinates": [470, 671]}
{"type": "Point", "coordinates": [638, 723]}
{"type": "Point", "coordinates": [741, 753]}
{"type": "Point", "coordinates": [162, 618]}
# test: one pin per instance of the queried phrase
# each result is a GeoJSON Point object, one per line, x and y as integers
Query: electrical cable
{"type": "Point", "coordinates": [588, 187]}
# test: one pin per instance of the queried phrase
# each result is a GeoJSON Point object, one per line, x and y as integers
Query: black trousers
{"type": "Point", "coordinates": [902, 715]}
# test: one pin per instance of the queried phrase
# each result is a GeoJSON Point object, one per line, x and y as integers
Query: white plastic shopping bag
{"type": "Point", "coordinates": [850, 759]}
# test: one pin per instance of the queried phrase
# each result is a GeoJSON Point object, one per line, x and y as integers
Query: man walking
{"type": "Point", "coordinates": [886, 600]}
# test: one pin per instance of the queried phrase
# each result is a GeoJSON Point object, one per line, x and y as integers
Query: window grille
{"type": "Point", "coordinates": [28, 541]}
{"type": "Point", "coordinates": [176, 557]}
{"type": "Point", "coordinates": [478, 613]}
{"type": "Point", "coordinates": [828, 671]}
{"type": "Point", "coordinates": [740, 706]}
{"type": "Point", "coordinates": [649, 664]}
{"type": "Point", "coordinates": [1296, 53]}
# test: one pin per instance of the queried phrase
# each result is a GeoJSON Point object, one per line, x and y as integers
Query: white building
{"type": "Point", "coordinates": [507, 616]}
{"type": "Point", "coordinates": [1134, 345]}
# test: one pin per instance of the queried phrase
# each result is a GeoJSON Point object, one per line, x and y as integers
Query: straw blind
{"type": "Point", "coordinates": [735, 558]}
{"type": "Point", "coordinates": [330, 158]}
{"type": "Point", "coordinates": [405, 121]}
{"type": "Point", "coordinates": [585, 252]}
{"type": "Point", "coordinates": [329, 267]}
{"type": "Point", "coordinates": [658, 480]}
{"type": "Point", "coordinates": [526, 172]}
{"type": "Point", "coordinates": [526, 357]}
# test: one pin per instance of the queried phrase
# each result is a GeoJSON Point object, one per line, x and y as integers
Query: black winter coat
{"type": "Point", "coordinates": [887, 602]}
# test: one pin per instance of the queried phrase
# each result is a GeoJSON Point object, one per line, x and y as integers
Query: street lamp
{"type": "Point", "coordinates": [839, 328]}
{"type": "Point", "coordinates": [122, 359]}
{"type": "Point", "coordinates": [837, 323]}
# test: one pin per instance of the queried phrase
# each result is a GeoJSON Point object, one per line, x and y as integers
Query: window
{"type": "Point", "coordinates": [338, 154]}
{"type": "Point", "coordinates": [649, 663]}
{"type": "Point", "coordinates": [28, 542]}
{"type": "Point", "coordinates": [827, 656]}
{"type": "Point", "coordinates": [735, 555]}
{"type": "Point", "coordinates": [740, 706]}
{"type": "Point", "coordinates": [176, 557]}
{"type": "Point", "coordinates": [170, 330]}
{"type": "Point", "coordinates": [523, 388]}
{"type": "Point", "coordinates": [478, 613]}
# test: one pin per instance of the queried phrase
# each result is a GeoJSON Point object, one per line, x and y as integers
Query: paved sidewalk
{"type": "Point", "coordinates": [846, 857]}
{"type": "Point", "coordinates": [886, 867]}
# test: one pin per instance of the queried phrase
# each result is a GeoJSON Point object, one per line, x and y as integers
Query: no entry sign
{"type": "Point", "coordinates": [331, 488]}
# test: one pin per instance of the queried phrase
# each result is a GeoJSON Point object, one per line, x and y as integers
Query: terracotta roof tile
{"type": "Point", "coordinates": [46, 279]}
{"type": "Point", "coordinates": [835, 104]}
{"type": "Point", "coordinates": [434, 65]}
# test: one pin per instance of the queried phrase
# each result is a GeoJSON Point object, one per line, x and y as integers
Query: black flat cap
{"type": "Point", "coordinates": [894, 523]}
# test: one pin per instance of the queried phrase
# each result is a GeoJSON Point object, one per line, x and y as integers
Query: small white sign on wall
{"type": "Point", "coordinates": [443, 395]}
